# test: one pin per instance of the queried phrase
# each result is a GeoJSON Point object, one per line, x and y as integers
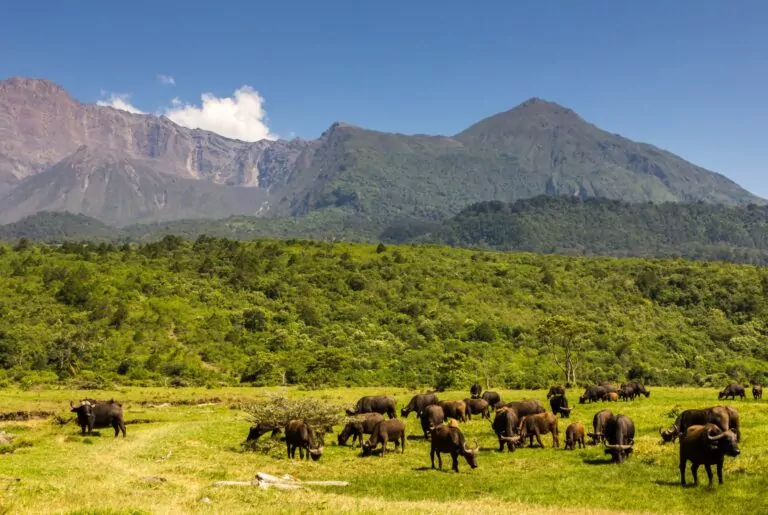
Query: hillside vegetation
{"type": "Point", "coordinates": [221, 311]}
{"type": "Point", "coordinates": [568, 225]}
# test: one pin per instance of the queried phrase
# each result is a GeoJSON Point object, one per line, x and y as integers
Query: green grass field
{"type": "Point", "coordinates": [53, 469]}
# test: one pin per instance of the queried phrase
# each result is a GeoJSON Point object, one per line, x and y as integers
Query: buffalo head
{"type": "Point", "coordinates": [471, 454]}
{"type": "Point", "coordinates": [669, 435]}
{"type": "Point", "coordinates": [725, 442]}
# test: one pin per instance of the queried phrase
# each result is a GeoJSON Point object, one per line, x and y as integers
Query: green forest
{"type": "Point", "coordinates": [215, 312]}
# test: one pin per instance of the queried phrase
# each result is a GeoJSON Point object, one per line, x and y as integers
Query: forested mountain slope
{"type": "Point", "coordinates": [602, 227]}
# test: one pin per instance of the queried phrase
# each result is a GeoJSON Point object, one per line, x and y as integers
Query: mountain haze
{"type": "Point", "coordinates": [58, 154]}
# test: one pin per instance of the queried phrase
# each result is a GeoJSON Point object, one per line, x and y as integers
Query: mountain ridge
{"type": "Point", "coordinates": [538, 147]}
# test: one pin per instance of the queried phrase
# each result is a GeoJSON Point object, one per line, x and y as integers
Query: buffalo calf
{"type": "Point", "coordinates": [574, 435]}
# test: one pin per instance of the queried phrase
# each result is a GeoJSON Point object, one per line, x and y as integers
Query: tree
{"type": "Point", "coordinates": [564, 338]}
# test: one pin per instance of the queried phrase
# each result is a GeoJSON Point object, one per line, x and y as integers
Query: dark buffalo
{"type": "Point", "coordinates": [757, 392]}
{"type": "Point", "coordinates": [637, 389]}
{"type": "Point", "coordinates": [385, 431]}
{"type": "Point", "coordinates": [559, 405]}
{"type": "Point", "coordinates": [717, 415]}
{"type": "Point", "coordinates": [537, 425]}
{"type": "Point", "coordinates": [555, 390]}
{"type": "Point", "coordinates": [418, 403]}
{"type": "Point", "coordinates": [358, 426]}
{"type": "Point", "coordinates": [593, 394]}
{"type": "Point", "coordinates": [259, 430]}
{"type": "Point", "coordinates": [454, 409]}
{"type": "Point", "coordinates": [525, 408]}
{"type": "Point", "coordinates": [99, 414]}
{"type": "Point", "coordinates": [599, 422]}
{"type": "Point", "coordinates": [609, 387]}
{"type": "Point", "coordinates": [706, 445]}
{"type": "Point", "coordinates": [375, 404]}
{"type": "Point", "coordinates": [505, 425]}
{"type": "Point", "coordinates": [431, 417]}
{"type": "Point", "coordinates": [626, 393]}
{"type": "Point", "coordinates": [492, 398]}
{"type": "Point", "coordinates": [451, 440]}
{"type": "Point", "coordinates": [619, 433]}
{"type": "Point", "coordinates": [300, 435]}
{"type": "Point", "coordinates": [478, 407]}
{"type": "Point", "coordinates": [574, 435]}
{"type": "Point", "coordinates": [732, 391]}
{"type": "Point", "coordinates": [734, 421]}
{"type": "Point", "coordinates": [475, 390]}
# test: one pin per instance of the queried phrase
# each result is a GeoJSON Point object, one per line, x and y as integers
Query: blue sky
{"type": "Point", "coordinates": [688, 76]}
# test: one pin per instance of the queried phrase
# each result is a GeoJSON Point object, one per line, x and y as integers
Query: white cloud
{"type": "Point", "coordinates": [119, 101]}
{"type": "Point", "coordinates": [240, 116]}
{"type": "Point", "coordinates": [166, 80]}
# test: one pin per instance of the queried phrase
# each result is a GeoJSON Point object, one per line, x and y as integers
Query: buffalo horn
{"type": "Point", "coordinates": [713, 438]}
{"type": "Point", "coordinates": [71, 404]}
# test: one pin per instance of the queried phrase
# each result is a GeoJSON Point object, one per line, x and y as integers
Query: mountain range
{"type": "Point", "coordinates": [58, 154]}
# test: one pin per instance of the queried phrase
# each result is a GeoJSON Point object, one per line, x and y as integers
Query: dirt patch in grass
{"type": "Point", "coordinates": [164, 403]}
{"type": "Point", "coordinates": [24, 415]}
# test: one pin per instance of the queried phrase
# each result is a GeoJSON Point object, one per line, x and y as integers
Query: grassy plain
{"type": "Point", "coordinates": [53, 469]}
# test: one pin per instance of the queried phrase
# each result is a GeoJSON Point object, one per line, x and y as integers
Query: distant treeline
{"type": "Point", "coordinates": [562, 225]}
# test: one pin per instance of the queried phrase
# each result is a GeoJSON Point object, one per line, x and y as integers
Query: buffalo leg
{"type": "Point", "coordinates": [719, 472]}
{"type": "Point", "coordinates": [683, 463]}
{"type": "Point", "coordinates": [432, 457]}
{"type": "Point", "coordinates": [455, 459]}
{"type": "Point", "coordinates": [538, 439]}
{"type": "Point", "coordinates": [555, 439]}
{"type": "Point", "coordinates": [402, 442]}
{"type": "Point", "coordinates": [695, 472]}
{"type": "Point", "coordinates": [708, 468]}
{"type": "Point", "coordinates": [116, 427]}
{"type": "Point", "coordinates": [289, 451]}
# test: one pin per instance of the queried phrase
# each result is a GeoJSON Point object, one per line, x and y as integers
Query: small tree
{"type": "Point", "coordinates": [564, 338]}
{"type": "Point", "coordinates": [274, 413]}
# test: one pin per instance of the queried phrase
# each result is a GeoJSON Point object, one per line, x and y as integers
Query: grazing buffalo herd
{"type": "Point", "coordinates": [706, 435]}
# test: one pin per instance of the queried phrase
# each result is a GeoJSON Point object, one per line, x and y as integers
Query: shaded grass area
{"type": "Point", "coordinates": [191, 445]}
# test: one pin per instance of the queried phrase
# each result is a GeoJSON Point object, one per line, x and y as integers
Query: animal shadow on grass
{"type": "Point", "coordinates": [597, 461]}
{"type": "Point", "coordinates": [416, 438]}
{"type": "Point", "coordinates": [676, 484]}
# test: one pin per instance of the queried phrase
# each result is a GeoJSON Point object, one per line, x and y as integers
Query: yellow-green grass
{"type": "Point", "coordinates": [60, 471]}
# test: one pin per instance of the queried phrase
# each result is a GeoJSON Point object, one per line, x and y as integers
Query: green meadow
{"type": "Point", "coordinates": [182, 440]}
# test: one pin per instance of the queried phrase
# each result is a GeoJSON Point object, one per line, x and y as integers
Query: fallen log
{"type": "Point", "coordinates": [286, 482]}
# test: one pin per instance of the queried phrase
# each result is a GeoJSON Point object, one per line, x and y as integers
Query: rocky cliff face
{"type": "Point", "coordinates": [41, 124]}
